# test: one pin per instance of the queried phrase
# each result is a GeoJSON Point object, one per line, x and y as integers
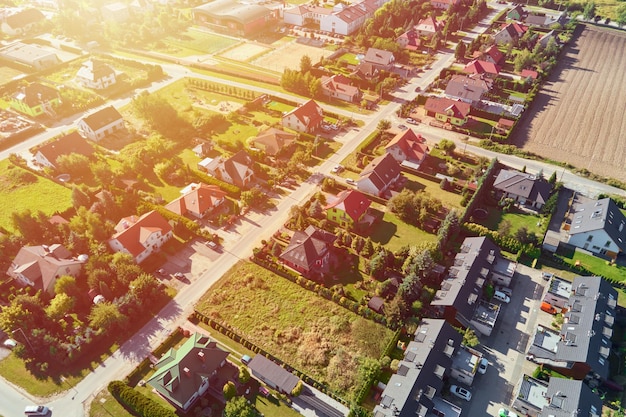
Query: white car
{"type": "Point", "coordinates": [500, 296]}
{"type": "Point", "coordinates": [482, 366]}
{"type": "Point", "coordinates": [337, 169]}
{"type": "Point", "coordinates": [411, 121]}
{"type": "Point", "coordinates": [350, 181]}
{"type": "Point", "coordinates": [9, 343]}
{"type": "Point", "coordinates": [461, 392]}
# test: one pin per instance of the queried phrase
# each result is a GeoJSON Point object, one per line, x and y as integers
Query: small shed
{"type": "Point", "coordinates": [272, 374]}
{"type": "Point", "coordinates": [376, 303]}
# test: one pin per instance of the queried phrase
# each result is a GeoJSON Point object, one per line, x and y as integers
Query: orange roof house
{"type": "Point", "coordinates": [198, 200]}
{"type": "Point", "coordinates": [305, 118]}
{"type": "Point", "coordinates": [141, 236]}
{"type": "Point", "coordinates": [408, 148]}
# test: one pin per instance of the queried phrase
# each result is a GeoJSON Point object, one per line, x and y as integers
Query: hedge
{"type": "Point", "coordinates": [136, 402]}
{"type": "Point", "coordinates": [483, 186]}
{"type": "Point", "coordinates": [232, 190]}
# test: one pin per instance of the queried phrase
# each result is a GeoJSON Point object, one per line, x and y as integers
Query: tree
{"type": "Point", "coordinates": [305, 64]}
{"type": "Point", "coordinates": [74, 164]}
{"type": "Point", "coordinates": [459, 52]}
{"type": "Point", "coordinates": [106, 317]}
{"type": "Point", "coordinates": [621, 15]}
{"type": "Point", "coordinates": [60, 305]}
{"type": "Point", "coordinates": [239, 407]}
{"type": "Point", "coordinates": [383, 125]}
{"type": "Point", "coordinates": [504, 228]}
{"type": "Point", "coordinates": [229, 390]}
{"type": "Point", "coordinates": [145, 289]}
{"type": "Point", "coordinates": [552, 179]}
{"type": "Point", "coordinates": [368, 248]}
{"type": "Point", "coordinates": [297, 390]}
{"type": "Point", "coordinates": [589, 11]}
{"type": "Point", "coordinates": [315, 209]}
{"type": "Point", "coordinates": [469, 338]}
{"type": "Point", "coordinates": [244, 374]}
{"type": "Point", "coordinates": [522, 60]}
{"type": "Point", "coordinates": [447, 146]}
{"type": "Point", "coordinates": [66, 284]}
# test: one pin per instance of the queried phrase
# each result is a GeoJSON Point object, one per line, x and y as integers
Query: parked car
{"type": "Point", "coordinates": [505, 290]}
{"type": "Point", "coordinates": [9, 343]}
{"type": "Point", "coordinates": [546, 276]}
{"type": "Point", "coordinates": [402, 127]}
{"type": "Point", "coordinates": [482, 366]}
{"type": "Point", "coordinates": [461, 392]}
{"type": "Point", "coordinates": [162, 271]}
{"type": "Point", "coordinates": [500, 296]}
{"type": "Point", "coordinates": [548, 308]}
{"type": "Point", "coordinates": [179, 275]}
{"type": "Point", "coordinates": [246, 359]}
{"type": "Point", "coordinates": [211, 244]}
{"type": "Point", "coordinates": [350, 181]}
{"type": "Point", "coordinates": [337, 169]}
{"type": "Point", "coordinates": [411, 121]}
{"type": "Point", "coordinates": [36, 410]}
{"type": "Point", "coordinates": [503, 412]}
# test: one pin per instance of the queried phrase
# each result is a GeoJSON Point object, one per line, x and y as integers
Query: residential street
{"type": "Point", "coordinates": [74, 402]}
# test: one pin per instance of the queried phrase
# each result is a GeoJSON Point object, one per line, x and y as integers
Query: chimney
{"type": "Point", "coordinates": [201, 356]}
{"type": "Point", "coordinates": [187, 372]}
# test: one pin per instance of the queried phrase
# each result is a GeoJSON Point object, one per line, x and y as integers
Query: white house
{"type": "Point", "coordinates": [141, 236]}
{"type": "Point", "coordinates": [95, 74]}
{"type": "Point", "coordinates": [101, 123]}
{"type": "Point", "coordinates": [599, 227]}
{"type": "Point", "coordinates": [379, 175]}
{"type": "Point", "coordinates": [305, 118]}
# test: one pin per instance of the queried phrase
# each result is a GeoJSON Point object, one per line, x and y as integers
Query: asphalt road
{"type": "Point", "coordinates": [72, 402]}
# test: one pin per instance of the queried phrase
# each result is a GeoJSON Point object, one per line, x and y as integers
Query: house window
{"type": "Point", "coordinates": [589, 238]}
{"type": "Point", "coordinates": [608, 243]}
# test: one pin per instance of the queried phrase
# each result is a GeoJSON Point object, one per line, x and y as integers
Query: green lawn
{"type": "Point", "coordinates": [21, 190]}
{"type": "Point", "coordinates": [448, 199]}
{"type": "Point", "coordinates": [518, 219]}
{"type": "Point", "coordinates": [597, 266]}
{"type": "Point", "coordinates": [349, 58]}
{"type": "Point", "coordinates": [395, 234]}
{"type": "Point", "coordinates": [194, 42]}
{"type": "Point", "coordinates": [312, 334]}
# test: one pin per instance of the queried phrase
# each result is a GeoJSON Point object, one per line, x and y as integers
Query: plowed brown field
{"type": "Point", "coordinates": [580, 114]}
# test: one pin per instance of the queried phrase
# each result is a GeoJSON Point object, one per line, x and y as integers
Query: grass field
{"type": "Point", "coordinates": [597, 266]}
{"type": "Point", "coordinates": [194, 42]}
{"type": "Point", "coordinates": [395, 234]}
{"type": "Point", "coordinates": [310, 333]}
{"type": "Point", "coordinates": [8, 73]}
{"type": "Point", "coordinates": [21, 190]}
{"type": "Point", "coordinates": [517, 218]}
{"type": "Point", "coordinates": [448, 199]}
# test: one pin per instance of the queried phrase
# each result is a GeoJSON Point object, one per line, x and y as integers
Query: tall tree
{"type": "Point", "coordinates": [106, 318]}
{"type": "Point", "coordinates": [305, 64]}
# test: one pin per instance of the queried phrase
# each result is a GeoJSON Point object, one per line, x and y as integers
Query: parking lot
{"type": "Point", "coordinates": [506, 347]}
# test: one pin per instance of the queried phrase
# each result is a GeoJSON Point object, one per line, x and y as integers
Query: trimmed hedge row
{"type": "Point", "coordinates": [483, 186]}
{"type": "Point", "coordinates": [232, 190]}
{"type": "Point", "coordinates": [136, 402]}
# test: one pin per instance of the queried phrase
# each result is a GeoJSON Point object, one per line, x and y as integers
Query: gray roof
{"type": "Point", "coordinates": [569, 397]}
{"type": "Point", "coordinates": [378, 56]}
{"type": "Point", "coordinates": [420, 374]}
{"type": "Point", "coordinates": [523, 184]}
{"type": "Point", "coordinates": [586, 332]}
{"type": "Point", "coordinates": [382, 171]}
{"type": "Point", "coordinates": [284, 380]}
{"type": "Point", "coordinates": [601, 215]}
{"type": "Point", "coordinates": [468, 88]}
{"type": "Point", "coordinates": [463, 285]}
{"type": "Point", "coordinates": [102, 118]}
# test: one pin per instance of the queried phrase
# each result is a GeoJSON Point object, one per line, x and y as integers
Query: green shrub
{"type": "Point", "coordinates": [138, 403]}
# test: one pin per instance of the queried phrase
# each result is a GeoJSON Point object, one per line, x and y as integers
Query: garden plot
{"type": "Point", "coordinates": [288, 57]}
{"type": "Point", "coordinates": [245, 51]}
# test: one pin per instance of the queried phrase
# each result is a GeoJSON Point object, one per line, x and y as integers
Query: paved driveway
{"type": "Point", "coordinates": [506, 347]}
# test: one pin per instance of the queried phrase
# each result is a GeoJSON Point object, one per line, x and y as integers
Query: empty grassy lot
{"type": "Point", "coordinates": [310, 333]}
{"type": "Point", "coordinates": [194, 42]}
{"type": "Point", "coordinates": [21, 190]}
{"type": "Point", "coordinates": [395, 234]}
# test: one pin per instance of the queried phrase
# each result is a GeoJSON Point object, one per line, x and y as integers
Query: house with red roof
{"type": "Point", "coordinates": [102, 123]}
{"type": "Point", "coordinates": [509, 33]}
{"type": "Point", "coordinates": [379, 175]}
{"type": "Point", "coordinates": [141, 236]}
{"type": "Point", "coordinates": [408, 148]}
{"type": "Point", "coordinates": [36, 99]}
{"type": "Point", "coordinates": [197, 200]}
{"type": "Point", "coordinates": [444, 4]}
{"type": "Point", "coordinates": [482, 68]}
{"type": "Point", "coordinates": [409, 40]}
{"type": "Point", "coordinates": [428, 27]}
{"type": "Point", "coordinates": [447, 110]}
{"type": "Point", "coordinates": [492, 54]}
{"type": "Point", "coordinates": [306, 118]}
{"type": "Point", "coordinates": [48, 153]}
{"type": "Point", "coordinates": [348, 209]}
{"type": "Point", "coordinates": [340, 87]}
{"type": "Point", "coordinates": [40, 266]}
{"type": "Point", "coordinates": [95, 74]}
{"type": "Point", "coordinates": [526, 73]}
{"type": "Point", "coordinates": [185, 373]}
{"type": "Point", "coordinates": [273, 141]}
{"type": "Point", "coordinates": [236, 170]}
{"type": "Point", "coordinates": [309, 251]}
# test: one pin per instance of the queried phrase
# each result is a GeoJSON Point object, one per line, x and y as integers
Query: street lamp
{"type": "Point", "coordinates": [25, 338]}
{"type": "Point", "coordinates": [63, 379]}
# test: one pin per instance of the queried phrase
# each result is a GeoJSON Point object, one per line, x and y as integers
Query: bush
{"type": "Point", "coordinates": [138, 403]}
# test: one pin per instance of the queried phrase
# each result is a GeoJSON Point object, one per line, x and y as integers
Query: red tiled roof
{"type": "Point", "coordinates": [352, 202]}
{"type": "Point", "coordinates": [411, 144]}
{"type": "Point", "coordinates": [481, 67]}
{"type": "Point", "coordinates": [198, 200]}
{"type": "Point", "coordinates": [310, 113]}
{"type": "Point", "coordinates": [340, 83]}
{"type": "Point", "coordinates": [133, 231]}
{"type": "Point", "coordinates": [68, 144]}
{"type": "Point", "coordinates": [440, 105]}
{"type": "Point", "coordinates": [529, 73]}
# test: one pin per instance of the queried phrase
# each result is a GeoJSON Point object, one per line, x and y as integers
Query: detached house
{"type": "Point", "coordinates": [308, 252]}
{"type": "Point", "coordinates": [102, 123]}
{"type": "Point", "coordinates": [409, 40]}
{"type": "Point", "coordinates": [509, 33]}
{"type": "Point", "coordinates": [36, 99]}
{"type": "Point", "coordinates": [21, 22]}
{"type": "Point", "coordinates": [346, 20]}
{"type": "Point", "coordinates": [468, 89]}
{"type": "Point", "coordinates": [183, 375]}
{"type": "Point", "coordinates": [141, 236]}
{"type": "Point", "coordinates": [408, 149]}
{"type": "Point", "coordinates": [306, 118]}
{"type": "Point", "coordinates": [197, 200]}
{"type": "Point", "coordinates": [40, 266]}
{"type": "Point", "coordinates": [492, 54]}
{"type": "Point", "coordinates": [348, 209]}
{"type": "Point", "coordinates": [272, 141]}
{"type": "Point", "coordinates": [428, 27]}
{"type": "Point", "coordinates": [340, 87]}
{"type": "Point", "coordinates": [379, 175]}
{"type": "Point", "coordinates": [381, 60]}
{"type": "Point", "coordinates": [479, 67]}
{"type": "Point", "coordinates": [95, 74]}
{"type": "Point", "coordinates": [73, 143]}
{"type": "Point", "coordinates": [526, 189]}
{"type": "Point", "coordinates": [236, 170]}
{"type": "Point", "coordinates": [447, 110]}
{"type": "Point", "coordinates": [599, 227]}
{"type": "Point", "coordinates": [516, 13]}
